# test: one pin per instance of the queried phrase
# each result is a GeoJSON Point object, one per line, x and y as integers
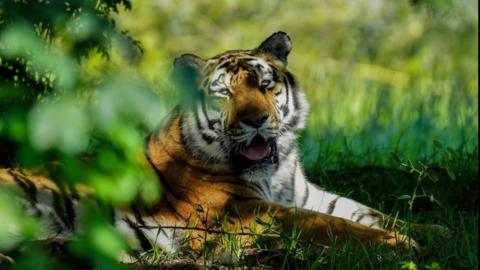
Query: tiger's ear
{"type": "Point", "coordinates": [278, 45]}
{"type": "Point", "coordinates": [187, 70]}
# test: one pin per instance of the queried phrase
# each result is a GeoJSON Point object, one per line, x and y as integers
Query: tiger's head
{"type": "Point", "coordinates": [246, 105]}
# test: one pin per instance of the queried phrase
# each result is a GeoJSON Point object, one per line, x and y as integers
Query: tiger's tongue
{"type": "Point", "coordinates": [258, 149]}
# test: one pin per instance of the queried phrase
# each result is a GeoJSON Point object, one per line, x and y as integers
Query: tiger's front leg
{"type": "Point", "coordinates": [310, 197]}
{"type": "Point", "coordinates": [314, 226]}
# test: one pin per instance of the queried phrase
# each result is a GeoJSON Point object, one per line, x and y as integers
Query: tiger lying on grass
{"type": "Point", "coordinates": [231, 153]}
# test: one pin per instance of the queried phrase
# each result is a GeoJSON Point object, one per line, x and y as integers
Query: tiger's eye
{"type": "Point", "coordinates": [224, 92]}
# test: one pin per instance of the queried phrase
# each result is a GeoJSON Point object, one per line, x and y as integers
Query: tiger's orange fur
{"type": "Point", "coordinates": [189, 184]}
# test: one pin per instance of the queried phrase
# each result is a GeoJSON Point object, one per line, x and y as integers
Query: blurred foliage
{"type": "Point", "coordinates": [381, 77]}
{"type": "Point", "coordinates": [52, 113]}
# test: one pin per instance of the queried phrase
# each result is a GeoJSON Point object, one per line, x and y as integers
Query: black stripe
{"type": "Point", "coordinates": [360, 217]}
{"type": "Point", "coordinates": [69, 212]}
{"type": "Point", "coordinates": [197, 118]}
{"type": "Point", "coordinates": [268, 186]}
{"type": "Point", "coordinates": [57, 225]}
{"type": "Point", "coordinates": [371, 214]}
{"type": "Point", "coordinates": [248, 58]}
{"type": "Point", "coordinates": [222, 144]}
{"type": "Point", "coordinates": [331, 206]}
{"type": "Point", "coordinates": [207, 138]}
{"type": "Point", "coordinates": [210, 122]}
{"type": "Point", "coordinates": [284, 109]}
{"type": "Point", "coordinates": [74, 195]}
{"type": "Point", "coordinates": [30, 192]}
{"type": "Point", "coordinates": [59, 205]}
{"type": "Point", "coordinates": [223, 65]}
{"type": "Point", "coordinates": [204, 111]}
{"type": "Point", "coordinates": [204, 84]}
{"type": "Point", "coordinates": [293, 84]}
{"type": "Point", "coordinates": [152, 216]}
{"type": "Point", "coordinates": [28, 188]}
{"type": "Point", "coordinates": [164, 233]}
{"type": "Point", "coordinates": [257, 189]}
{"type": "Point", "coordinates": [275, 73]}
{"type": "Point", "coordinates": [138, 216]}
{"type": "Point", "coordinates": [293, 122]}
{"type": "Point", "coordinates": [183, 141]}
{"type": "Point", "coordinates": [197, 152]}
{"type": "Point", "coordinates": [144, 243]}
{"type": "Point", "coordinates": [261, 190]}
{"type": "Point", "coordinates": [287, 86]}
{"type": "Point", "coordinates": [296, 104]}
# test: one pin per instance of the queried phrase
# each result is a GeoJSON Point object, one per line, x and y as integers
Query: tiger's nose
{"type": "Point", "coordinates": [255, 120]}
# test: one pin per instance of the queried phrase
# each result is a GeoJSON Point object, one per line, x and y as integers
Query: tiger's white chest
{"type": "Point", "coordinates": [276, 183]}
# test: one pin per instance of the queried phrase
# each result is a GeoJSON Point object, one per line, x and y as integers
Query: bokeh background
{"type": "Point", "coordinates": [393, 88]}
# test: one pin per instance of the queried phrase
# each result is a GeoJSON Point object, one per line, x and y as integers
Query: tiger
{"type": "Point", "coordinates": [230, 151]}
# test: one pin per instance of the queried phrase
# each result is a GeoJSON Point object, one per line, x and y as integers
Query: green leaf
{"type": "Point", "coordinates": [62, 125]}
{"type": "Point", "coordinates": [433, 266]}
{"type": "Point", "coordinates": [404, 197]}
{"type": "Point", "coordinates": [408, 265]}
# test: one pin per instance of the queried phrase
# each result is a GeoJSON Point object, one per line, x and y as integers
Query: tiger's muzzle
{"type": "Point", "coordinates": [257, 146]}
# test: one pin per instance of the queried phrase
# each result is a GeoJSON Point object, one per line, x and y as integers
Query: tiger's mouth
{"type": "Point", "coordinates": [257, 153]}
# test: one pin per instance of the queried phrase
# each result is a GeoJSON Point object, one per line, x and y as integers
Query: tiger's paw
{"type": "Point", "coordinates": [403, 241]}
